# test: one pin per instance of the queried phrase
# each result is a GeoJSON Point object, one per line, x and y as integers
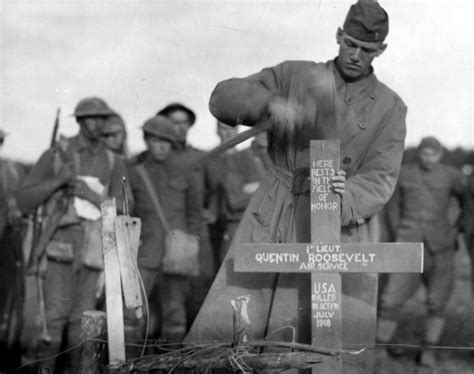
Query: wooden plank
{"type": "Point", "coordinates": [325, 228]}
{"type": "Point", "coordinates": [113, 288]}
{"type": "Point", "coordinates": [127, 259]}
{"type": "Point", "coordinates": [330, 258]}
{"type": "Point", "coordinates": [325, 204]}
{"type": "Point", "coordinates": [326, 317]}
{"type": "Point", "coordinates": [134, 226]}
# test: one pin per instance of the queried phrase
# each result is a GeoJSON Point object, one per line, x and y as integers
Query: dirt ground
{"type": "Point", "coordinates": [459, 331]}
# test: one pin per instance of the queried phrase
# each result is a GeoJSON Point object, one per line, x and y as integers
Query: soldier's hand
{"type": "Point", "coordinates": [208, 216]}
{"type": "Point", "coordinates": [283, 112]}
{"type": "Point", "coordinates": [338, 182]}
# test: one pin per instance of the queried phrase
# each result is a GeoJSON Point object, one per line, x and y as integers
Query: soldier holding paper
{"type": "Point", "coordinates": [71, 180]}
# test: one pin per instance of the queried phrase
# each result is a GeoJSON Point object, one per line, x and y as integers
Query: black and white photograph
{"type": "Point", "coordinates": [241, 186]}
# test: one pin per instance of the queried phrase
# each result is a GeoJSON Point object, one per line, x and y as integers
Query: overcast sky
{"type": "Point", "coordinates": [141, 55]}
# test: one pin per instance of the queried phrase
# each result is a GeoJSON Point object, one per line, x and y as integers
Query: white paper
{"type": "Point", "coordinates": [84, 208]}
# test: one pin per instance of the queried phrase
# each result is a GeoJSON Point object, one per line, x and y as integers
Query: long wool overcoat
{"type": "Point", "coordinates": [369, 121]}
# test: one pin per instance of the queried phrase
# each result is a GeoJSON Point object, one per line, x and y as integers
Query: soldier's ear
{"type": "Point", "coordinates": [381, 50]}
{"type": "Point", "coordinates": [339, 33]}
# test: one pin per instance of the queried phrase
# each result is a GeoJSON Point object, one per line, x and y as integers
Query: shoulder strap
{"type": "Point", "coordinates": [154, 198]}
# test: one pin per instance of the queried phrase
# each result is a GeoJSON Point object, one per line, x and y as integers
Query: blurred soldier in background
{"type": "Point", "coordinates": [418, 212]}
{"type": "Point", "coordinates": [467, 219]}
{"type": "Point", "coordinates": [71, 180]}
{"type": "Point", "coordinates": [155, 176]}
{"type": "Point", "coordinates": [235, 177]}
{"type": "Point", "coordinates": [183, 156]}
{"type": "Point", "coordinates": [12, 228]}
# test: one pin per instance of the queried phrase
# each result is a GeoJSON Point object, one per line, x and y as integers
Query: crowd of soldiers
{"type": "Point", "coordinates": [259, 194]}
{"type": "Point", "coordinates": [206, 202]}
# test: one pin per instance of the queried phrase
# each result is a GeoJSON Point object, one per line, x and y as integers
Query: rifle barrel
{"type": "Point", "coordinates": [55, 128]}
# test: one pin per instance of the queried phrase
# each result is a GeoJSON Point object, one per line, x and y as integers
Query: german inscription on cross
{"type": "Point", "coordinates": [325, 257]}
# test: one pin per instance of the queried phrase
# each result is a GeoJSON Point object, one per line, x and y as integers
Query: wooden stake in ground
{"type": "Point", "coordinates": [325, 257]}
{"type": "Point", "coordinates": [93, 328]}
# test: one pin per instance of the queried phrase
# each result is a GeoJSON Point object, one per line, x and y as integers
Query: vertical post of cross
{"type": "Point", "coordinates": [325, 228]}
{"type": "Point", "coordinates": [113, 286]}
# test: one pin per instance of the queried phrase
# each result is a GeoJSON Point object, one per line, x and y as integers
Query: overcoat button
{"type": "Point", "coordinates": [363, 125]}
{"type": "Point", "coordinates": [346, 160]}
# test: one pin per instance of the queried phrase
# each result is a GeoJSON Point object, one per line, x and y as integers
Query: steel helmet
{"type": "Point", "coordinates": [161, 127]}
{"type": "Point", "coordinates": [92, 107]}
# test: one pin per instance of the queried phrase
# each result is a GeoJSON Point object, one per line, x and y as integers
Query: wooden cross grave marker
{"type": "Point", "coordinates": [325, 257]}
{"type": "Point", "coordinates": [120, 240]}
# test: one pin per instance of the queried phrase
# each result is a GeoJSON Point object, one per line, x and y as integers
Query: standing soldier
{"type": "Point", "coordinates": [183, 156]}
{"type": "Point", "coordinates": [418, 212]}
{"type": "Point", "coordinates": [235, 176]}
{"type": "Point", "coordinates": [155, 177]}
{"type": "Point", "coordinates": [303, 100]}
{"type": "Point", "coordinates": [76, 172]}
{"type": "Point", "coordinates": [11, 267]}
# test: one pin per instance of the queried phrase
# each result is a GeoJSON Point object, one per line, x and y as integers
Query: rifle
{"type": "Point", "coordinates": [44, 226]}
{"type": "Point", "coordinates": [46, 220]}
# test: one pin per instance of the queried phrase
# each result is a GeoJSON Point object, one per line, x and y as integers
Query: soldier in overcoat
{"type": "Point", "coordinates": [339, 99]}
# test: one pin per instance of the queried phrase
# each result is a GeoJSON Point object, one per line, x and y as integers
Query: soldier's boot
{"type": "Point", "coordinates": [173, 336]}
{"type": "Point", "coordinates": [433, 329]}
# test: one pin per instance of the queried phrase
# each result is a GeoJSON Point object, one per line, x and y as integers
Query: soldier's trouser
{"type": "Point", "coordinates": [67, 294]}
{"type": "Point", "coordinates": [438, 278]}
{"type": "Point", "coordinates": [177, 299]}
{"type": "Point", "coordinates": [135, 328]}
{"type": "Point", "coordinates": [174, 294]}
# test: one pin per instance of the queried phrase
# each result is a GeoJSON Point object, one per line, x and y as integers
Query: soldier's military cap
{"type": "Point", "coordinates": [170, 108]}
{"type": "Point", "coordinates": [93, 107]}
{"type": "Point", "coordinates": [431, 142]}
{"type": "Point", "coordinates": [367, 21]}
{"type": "Point", "coordinates": [161, 127]}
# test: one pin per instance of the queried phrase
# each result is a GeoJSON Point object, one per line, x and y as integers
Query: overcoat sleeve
{"type": "Point", "coordinates": [245, 100]}
{"type": "Point", "coordinates": [370, 188]}
{"type": "Point", "coordinates": [34, 191]}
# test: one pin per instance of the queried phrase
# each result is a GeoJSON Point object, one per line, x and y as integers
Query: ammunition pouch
{"type": "Point", "coordinates": [91, 251]}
